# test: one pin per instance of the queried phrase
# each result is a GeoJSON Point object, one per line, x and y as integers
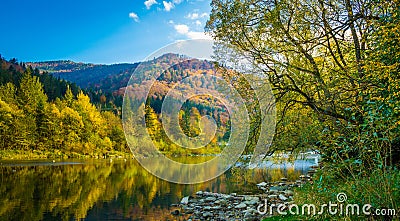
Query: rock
{"type": "Point", "coordinates": [207, 214]}
{"type": "Point", "coordinates": [250, 213]}
{"type": "Point", "coordinates": [250, 198]}
{"type": "Point", "coordinates": [275, 189]}
{"type": "Point", "coordinates": [288, 193]}
{"type": "Point", "coordinates": [175, 212]}
{"type": "Point", "coordinates": [221, 202]}
{"type": "Point", "coordinates": [210, 199]}
{"type": "Point", "coordinates": [216, 208]}
{"type": "Point", "coordinates": [233, 194]}
{"type": "Point", "coordinates": [251, 202]}
{"type": "Point", "coordinates": [185, 200]}
{"type": "Point", "coordinates": [251, 210]}
{"type": "Point", "coordinates": [241, 206]}
{"type": "Point", "coordinates": [188, 210]}
{"type": "Point", "coordinates": [273, 196]}
{"type": "Point", "coordinates": [263, 184]}
{"type": "Point", "coordinates": [283, 179]}
{"type": "Point", "coordinates": [207, 208]}
{"type": "Point", "coordinates": [199, 193]}
{"type": "Point", "coordinates": [282, 197]}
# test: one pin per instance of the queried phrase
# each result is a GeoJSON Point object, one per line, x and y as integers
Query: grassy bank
{"type": "Point", "coordinates": [51, 154]}
{"type": "Point", "coordinates": [378, 191]}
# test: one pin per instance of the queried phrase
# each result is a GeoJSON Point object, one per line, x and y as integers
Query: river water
{"type": "Point", "coordinates": [110, 190]}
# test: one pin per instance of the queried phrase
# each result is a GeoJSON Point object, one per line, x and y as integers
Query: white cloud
{"type": "Point", "coordinates": [177, 1]}
{"type": "Point", "coordinates": [182, 29]}
{"type": "Point", "coordinates": [198, 22]}
{"type": "Point", "coordinates": [168, 6]}
{"type": "Point", "coordinates": [149, 3]}
{"type": "Point", "coordinates": [134, 16]}
{"type": "Point", "coordinates": [196, 15]}
{"type": "Point", "coordinates": [185, 30]}
{"type": "Point", "coordinates": [192, 16]}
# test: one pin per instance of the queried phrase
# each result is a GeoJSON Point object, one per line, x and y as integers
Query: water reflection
{"type": "Point", "coordinates": [104, 190]}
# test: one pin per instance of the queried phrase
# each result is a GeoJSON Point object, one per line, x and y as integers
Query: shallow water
{"type": "Point", "coordinates": [104, 190]}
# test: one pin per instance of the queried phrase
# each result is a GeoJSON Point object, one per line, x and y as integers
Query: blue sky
{"type": "Point", "coordinates": [97, 31]}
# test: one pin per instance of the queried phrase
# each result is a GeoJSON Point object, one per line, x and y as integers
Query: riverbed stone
{"type": "Point", "coordinates": [230, 207]}
{"type": "Point", "coordinates": [207, 214]}
{"type": "Point", "coordinates": [207, 208]}
{"type": "Point", "coordinates": [283, 197]}
{"type": "Point", "coordinates": [262, 184]}
{"type": "Point", "coordinates": [185, 200]}
{"type": "Point", "coordinates": [250, 198]}
{"type": "Point", "coordinates": [288, 192]}
{"type": "Point", "coordinates": [251, 202]}
{"type": "Point", "coordinates": [273, 196]}
{"type": "Point", "coordinates": [210, 199]}
{"type": "Point", "coordinates": [241, 206]}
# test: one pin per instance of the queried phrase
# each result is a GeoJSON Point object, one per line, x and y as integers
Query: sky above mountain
{"type": "Point", "coordinates": [97, 31]}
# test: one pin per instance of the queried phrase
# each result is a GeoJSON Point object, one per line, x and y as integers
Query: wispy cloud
{"type": "Point", "coordinates": [182, 29]}
{"type": "Point", "coordinates": [185, 30]}
{"type": "Point", "coordinates": [149, 3]}
{"type": "Point", "coordinates": [196, 15]}
{"type": "Point", "coordinates": [168, 6]}
{"type": "Point", "coordinates": [134, 16]}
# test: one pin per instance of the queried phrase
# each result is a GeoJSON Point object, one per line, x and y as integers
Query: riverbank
{"type": "Point", "coordinates": [56, 154]}
{"type": "Point", "coordinates": [220, 206]}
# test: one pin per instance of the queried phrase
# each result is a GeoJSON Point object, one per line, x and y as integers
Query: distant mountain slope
{"type": "Point", "coordinates": [83, 74]}
{"type": "Point", "coordinates": [114, 78]}
{"type": "Point", "coordinates": [12, 71]}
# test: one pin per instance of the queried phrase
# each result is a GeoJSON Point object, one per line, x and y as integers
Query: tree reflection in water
{"type": "Point", "coordinates": [101, 190]}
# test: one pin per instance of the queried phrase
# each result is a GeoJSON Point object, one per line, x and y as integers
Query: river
{"type": "Point", "coordinates": [110, 190]}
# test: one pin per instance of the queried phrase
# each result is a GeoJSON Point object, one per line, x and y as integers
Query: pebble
{"type": "Point", "coordinates": [185, 200]}
{"type": "Point", "coordinates": [263, 184]}
{"type": "Point", "coordinates": [218, 206]}
{"type": "Point", "coordinates": [210, 198]}
{"type": "Point", "coordinates": [283, 197]}
{"type": "Point", "coordinates": [241, 206]}
{"type": "Point", "coordinates": [207, 214]}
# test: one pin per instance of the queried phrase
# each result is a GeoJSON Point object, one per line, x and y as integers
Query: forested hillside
{"type": "Point", "coordinates": [40, 113]}
{"type": "Point", "coordinates": [83, 74]}
{"type": "Point", "coordinates": [180, 75]}
{"type": "Point", "coordinates": [68, 120]}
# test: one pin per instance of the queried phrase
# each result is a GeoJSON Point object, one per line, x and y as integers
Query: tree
{"type": "Point", "coordinates": [312, 52]}
{"type": "Point", "coordinates": [32, 100]}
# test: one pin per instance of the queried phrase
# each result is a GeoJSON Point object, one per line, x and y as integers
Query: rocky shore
{"type": "Point", "coordinates": [219, 206]}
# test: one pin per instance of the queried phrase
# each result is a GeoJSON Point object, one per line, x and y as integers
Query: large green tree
{"type": "Point", "coordinates": [317, 55]}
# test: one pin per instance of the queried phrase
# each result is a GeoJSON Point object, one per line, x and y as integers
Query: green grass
{"type": "Point", "coordinates": [56, 154]}
{"type": "Point", "coordinates": [380, 189]}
